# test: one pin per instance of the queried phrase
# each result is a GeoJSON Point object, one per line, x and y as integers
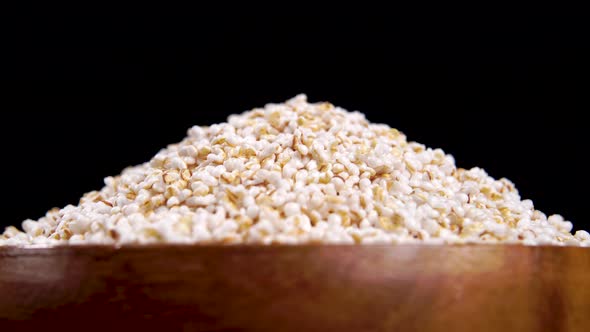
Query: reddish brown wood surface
{"type": "Point", "coordinates": [296, 288]}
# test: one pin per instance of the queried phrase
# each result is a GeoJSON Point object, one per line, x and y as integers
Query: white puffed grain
{"type": "Point", "coordinates": [296, 173]}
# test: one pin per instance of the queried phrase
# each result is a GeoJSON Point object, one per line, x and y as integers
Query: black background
{"type": "Point", "coordinates": [87, 96]}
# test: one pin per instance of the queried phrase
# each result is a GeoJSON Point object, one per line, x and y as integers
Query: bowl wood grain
{"type": "Point", "coordinates": [295, 288]}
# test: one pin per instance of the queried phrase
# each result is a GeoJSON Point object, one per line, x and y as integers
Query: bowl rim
{"type": "Point", "coordinates": [10, 250]}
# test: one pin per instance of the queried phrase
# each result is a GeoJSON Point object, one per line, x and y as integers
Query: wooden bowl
{"type": "Point", "coordinates": [295, 288]}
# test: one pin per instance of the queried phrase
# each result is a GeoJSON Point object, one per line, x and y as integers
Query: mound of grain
{"type": "Point", "coordinates": [299, 173]}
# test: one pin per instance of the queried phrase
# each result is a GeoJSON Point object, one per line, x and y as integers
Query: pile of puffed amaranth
{"type": "Point", "coordinates": [299, 173]}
